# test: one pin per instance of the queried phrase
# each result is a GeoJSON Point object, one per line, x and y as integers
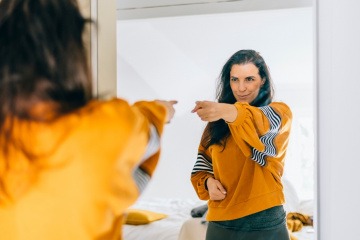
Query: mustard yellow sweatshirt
{"type": "Point", "coordinates": [79, 172]}
{"type": "Point", "coordinates": [251, 165]}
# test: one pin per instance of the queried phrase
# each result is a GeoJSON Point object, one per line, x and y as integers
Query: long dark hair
{"type": "Point", "coordinates": [42, 62]}
{"type": "Point", "coordinates": [42, 59]}
{"type": "Point", "coordinates": [217, 132]}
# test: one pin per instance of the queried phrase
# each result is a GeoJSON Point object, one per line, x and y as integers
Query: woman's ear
{"type": "Point", "coordinates": [263, 81]}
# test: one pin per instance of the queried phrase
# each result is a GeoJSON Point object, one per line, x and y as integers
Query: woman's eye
{"type": "Point", "coordinates": [249, 79]}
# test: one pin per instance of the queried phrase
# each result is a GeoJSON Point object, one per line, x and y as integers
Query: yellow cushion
{"type": "Point", "coordinates": [139, 217]}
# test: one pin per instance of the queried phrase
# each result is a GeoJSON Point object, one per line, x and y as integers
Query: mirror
{"type": "Point", "coordinates": [180, 57]}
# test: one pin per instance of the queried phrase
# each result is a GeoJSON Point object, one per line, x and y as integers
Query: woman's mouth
{"type": "Point", "coordinates": [243, 96]}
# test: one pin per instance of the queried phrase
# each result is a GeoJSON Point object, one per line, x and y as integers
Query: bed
{"type": "Point", "coordinates": [168, 228]}
{"type": "Point", "coordinates": [180, 225]}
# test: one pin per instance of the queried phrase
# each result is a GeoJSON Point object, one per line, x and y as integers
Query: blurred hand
{"type": "Point", "coordinates": [213, 111]}
{"type": "Point", "coordinates": [215, 189]}
{"type": "Point", "coordinates": [169, 105]}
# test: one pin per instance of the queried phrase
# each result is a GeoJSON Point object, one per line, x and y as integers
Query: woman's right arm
{"type": "Point", "coordinates": [203, 179]}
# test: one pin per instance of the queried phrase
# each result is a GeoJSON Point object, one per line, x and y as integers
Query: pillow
{"type": "Point", "coordinates": [292, 200]}
{"type": "Point", "coordinates": [139, 217]}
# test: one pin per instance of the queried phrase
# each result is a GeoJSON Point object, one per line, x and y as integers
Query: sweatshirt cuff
{"type": "Point", "coordinates": [155, 112]}
{"type": "Point", "coordinates": [241, 110]}
{"type": "Point", "coordinates": [201, 186]}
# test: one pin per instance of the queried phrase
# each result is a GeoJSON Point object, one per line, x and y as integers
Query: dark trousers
{"type": "Point", "coordinates": [269, 224]}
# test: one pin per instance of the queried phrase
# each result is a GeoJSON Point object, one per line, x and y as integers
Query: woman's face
{"type": "Point", "coordinates": [245, 82]}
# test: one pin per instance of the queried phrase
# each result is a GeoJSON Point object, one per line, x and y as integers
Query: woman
{"type": "Point", "coordinates": [69, 164]}
{"type": "Point", "coordinates": [241, 155]}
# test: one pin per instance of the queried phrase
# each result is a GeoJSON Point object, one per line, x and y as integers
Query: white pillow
{"type": "Point", "coordinates": [307, 207]}
{"type": "Point", "coordinates": [292, 199]}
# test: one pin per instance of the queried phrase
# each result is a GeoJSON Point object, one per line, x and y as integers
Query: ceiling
{"type": "Point", "coordinates": [137, 9]}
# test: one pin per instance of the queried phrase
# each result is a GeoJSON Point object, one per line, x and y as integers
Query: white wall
{"type": "Point", "coordinates": [338, 34]}
{"type": "Point", "coordinates": [181, 57]}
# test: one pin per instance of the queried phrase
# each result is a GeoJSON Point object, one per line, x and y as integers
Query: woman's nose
{"type": "Point", "coordinates": [242, 86]}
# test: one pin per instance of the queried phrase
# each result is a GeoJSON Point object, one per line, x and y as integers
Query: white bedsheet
{"type": "Point", "coordinates": [306, 233]}
{"type": "Point", "coordinates": [178, 211]}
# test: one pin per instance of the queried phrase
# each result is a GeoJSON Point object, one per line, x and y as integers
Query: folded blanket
{"type": "Point", "coordinates": [199, 211]}
{"type": "Point", "coordinates": [295, 222]}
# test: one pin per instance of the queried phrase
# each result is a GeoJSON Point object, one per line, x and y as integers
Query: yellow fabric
{"type": "Point", "coordinates": [79, 181]}
{"type": "Point", "coordinates": [250, 187]}
{"type": "Point", "coordinates": [140, 217]}
{"type": "Point", "coordinates": [295, 222]}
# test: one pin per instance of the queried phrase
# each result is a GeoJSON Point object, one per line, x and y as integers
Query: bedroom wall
{"type": "Point", "coordinates": [338, 127]}
{"type": "Point", "coordinates": [181, 57]}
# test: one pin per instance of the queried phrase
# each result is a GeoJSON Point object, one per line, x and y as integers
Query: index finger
{"type": "Point", "coordinates": [195, 109]}
{"type": "Point", "coordinates": [197, 106]}
{"type": "Point", "coordinates": [172, 102]}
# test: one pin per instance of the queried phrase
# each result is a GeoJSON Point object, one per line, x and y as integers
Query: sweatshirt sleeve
{"type": "Point", "coordinates": [262, 132]}
{"type": "Point", "coordinates": [202, 170]}
{"type": "Point", "coordinates": [156, 115]}
{"type": "Point", "coordinates": [122, 146]}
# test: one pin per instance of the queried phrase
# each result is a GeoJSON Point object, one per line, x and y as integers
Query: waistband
{"type": "Point", "coordinates": [268, 219]}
